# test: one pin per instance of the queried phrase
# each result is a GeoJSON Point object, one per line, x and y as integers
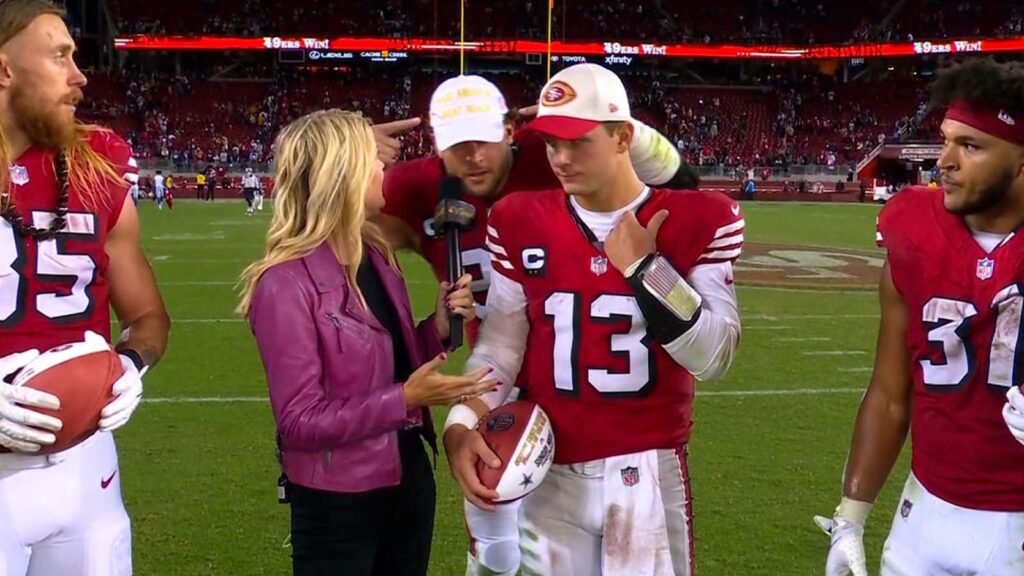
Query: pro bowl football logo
{"type": "Point", "coordinates": [558, 93]}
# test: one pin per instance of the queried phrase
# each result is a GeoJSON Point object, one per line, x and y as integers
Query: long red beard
{"type": "Point", "coordinates": [45, 128]}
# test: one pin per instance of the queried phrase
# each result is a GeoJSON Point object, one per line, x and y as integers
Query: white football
{"type": "Point", "coordinates": [520, 435]}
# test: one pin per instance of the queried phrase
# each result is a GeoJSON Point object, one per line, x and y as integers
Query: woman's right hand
{"type": "Point", "coordinates": [427, 386]}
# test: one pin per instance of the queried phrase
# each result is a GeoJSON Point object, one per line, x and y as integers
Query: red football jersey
{"type": "Point", "coordinates": [589, 362]}
{"type": "Point", "coordinates": [411, 193]}
{"type": "Point", "coordinates": [52, 291]}
{"type": "Point", "coordinates": [964, 339]}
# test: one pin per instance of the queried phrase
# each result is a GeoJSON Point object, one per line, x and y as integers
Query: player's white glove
{"type": "Point", "coordinates": [21, 428]}
{"type": "Point", "coordinates": [846, 556]}
{"type": "Point", "coordinates": [1013, 413]}
{"type": "Point", "coordinates": [127, 394]}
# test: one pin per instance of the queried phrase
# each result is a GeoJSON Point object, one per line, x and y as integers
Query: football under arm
{"type": "Point", "coordinates": [502, 340]}
{"type": "Point", "coordinates": [884, 416]}
{"type": "Point", "coordinates": [134, 293]}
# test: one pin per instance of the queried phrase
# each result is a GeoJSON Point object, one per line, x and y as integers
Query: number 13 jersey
{"type": "Point", "coordinates": [608, 388]}
{"type": "Point", "coordinates": [965, 340]}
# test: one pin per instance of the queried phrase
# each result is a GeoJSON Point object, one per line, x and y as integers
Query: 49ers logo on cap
{"type": "Point", "coordinates": [558, 93]}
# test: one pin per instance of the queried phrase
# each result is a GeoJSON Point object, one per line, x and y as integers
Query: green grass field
{"type": "Point", "coordinates": [199, 475]}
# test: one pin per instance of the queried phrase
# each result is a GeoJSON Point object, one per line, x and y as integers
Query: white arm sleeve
{"type": "Point", "coordinates": [654, 158]}
{"type": "Point", "coordinates": [502, 339]}
{"type": "Point", "coordinates": [707, 349]}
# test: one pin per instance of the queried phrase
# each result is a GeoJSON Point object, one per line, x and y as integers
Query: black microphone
{"type": "Point", "coordinates": [452, 217]}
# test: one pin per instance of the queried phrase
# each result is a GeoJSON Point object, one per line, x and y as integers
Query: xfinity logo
{"type": "Point", "coordinates": [625, 60]}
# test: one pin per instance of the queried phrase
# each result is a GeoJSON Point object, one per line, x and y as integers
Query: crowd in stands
{"type": "Point", "coordinates": [185, 120]}
{"type": "Point", "coordinates": [190, 119]}
{"type": "Point", "coordinates": [735, 21]}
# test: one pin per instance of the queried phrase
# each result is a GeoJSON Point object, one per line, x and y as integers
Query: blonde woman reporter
{"type": "Point", "coordinates": [350, 375]}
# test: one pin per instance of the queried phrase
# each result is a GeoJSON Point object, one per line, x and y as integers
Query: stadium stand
{"type": "Point", "coordinates": [783, 119]}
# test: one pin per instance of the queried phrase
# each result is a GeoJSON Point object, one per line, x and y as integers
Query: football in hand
{"type": "Point", "coordinates": [81, 375]}
{"type": "Point", "coordinates": [520, 435]}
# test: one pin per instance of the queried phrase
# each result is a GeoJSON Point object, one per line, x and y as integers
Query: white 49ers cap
{"type": "Point", "coordinates": [578, 99]}
{"type": "Point", "coordinates": [467, 109]}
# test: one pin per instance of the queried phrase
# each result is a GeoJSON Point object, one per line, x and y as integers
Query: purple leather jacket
{"type": "Point", "coordinates": [330, 372]}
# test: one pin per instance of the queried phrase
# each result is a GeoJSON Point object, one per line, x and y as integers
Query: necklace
{"type": "Point", "coordinates": [10, 213]}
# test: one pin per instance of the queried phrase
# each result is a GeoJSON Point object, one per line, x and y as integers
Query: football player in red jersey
{"type": "Point", "coordinates": [949, 350]}
{"type": "Point", "coordinates": [69, 250]}
{"type": "Point", "coordinates": [612, 297]}
{"type": "Point", "coordinates": [475, 133]}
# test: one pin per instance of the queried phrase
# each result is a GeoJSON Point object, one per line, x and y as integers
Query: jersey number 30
{"type": "Point", "coordinates": [565, 309]}
{"type": "Point", "coordinates": [948, 322]}
{"type": "Point", "coordinates": [53, 266]}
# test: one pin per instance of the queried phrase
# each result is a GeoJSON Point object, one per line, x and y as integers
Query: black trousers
{"type": "Point", "coordinates": [383, 532]}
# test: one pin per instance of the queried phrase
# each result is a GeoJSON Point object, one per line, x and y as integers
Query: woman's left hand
{"type": "Point", "coordinates": [459, 301]}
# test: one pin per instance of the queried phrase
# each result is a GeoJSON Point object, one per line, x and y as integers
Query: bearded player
{"type": "Point", "coordinates": [949, 351]}
{"type": "Point", "coordinates": [69, 250]}
{"type": "Point", "coordinates": [475, 132]}
{"type": "Point", "coordinates": [612, 297]}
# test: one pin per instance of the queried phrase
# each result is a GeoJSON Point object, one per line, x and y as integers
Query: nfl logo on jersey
{"type": "Point", "coordinates": [599, 265]}
{"type": "Point", "coordinates": [630, 476]}
{"type": "Point", "coordinates": [985, 267]}
{"type": "Point", "coordinates": [19, 175]}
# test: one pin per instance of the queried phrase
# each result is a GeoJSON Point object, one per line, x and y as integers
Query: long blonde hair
{"type": "Point", "coordinates": [325, 164]}
{"type": "Point", "coordinates": [88, 172]}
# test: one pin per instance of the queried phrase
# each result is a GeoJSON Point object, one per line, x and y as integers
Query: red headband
{"type": "Point", "coordinates": [998, 123]}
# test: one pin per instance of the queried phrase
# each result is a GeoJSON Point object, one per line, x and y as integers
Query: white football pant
{"type": "Point", "coordinates": [931, 536]}
{"type": "Point", "coordinates": [623, 516]}
{"type": "Point", "coordinates": [62, 514]}
{"type": "Point", "coordinates": [259, 201]}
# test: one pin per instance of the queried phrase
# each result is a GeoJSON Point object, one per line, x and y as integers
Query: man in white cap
{"type": "Point", "coordinates": [474, 132]}
{"type": "Point", "coordinates": [611, 317]}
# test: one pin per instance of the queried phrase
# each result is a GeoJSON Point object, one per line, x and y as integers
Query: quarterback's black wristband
{"type": "Point", "coordinates": [662, 323]}
{"type": "Point", "coordinates": [685, 178]}
{"type": "Point", "coordinates": [133, 356]}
